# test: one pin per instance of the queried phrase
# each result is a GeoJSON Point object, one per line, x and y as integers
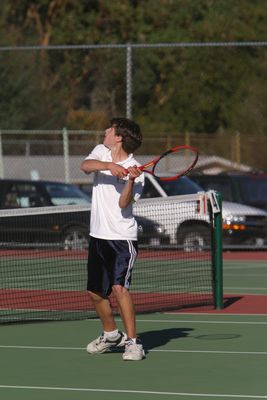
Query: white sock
{"type": "Point", "coordinates": [133, 340]}
{"type": "Point", "coordinates": [111, 334]}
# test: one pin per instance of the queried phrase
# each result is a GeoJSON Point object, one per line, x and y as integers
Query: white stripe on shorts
{"type": "Point", "coordinates": [133, 253]}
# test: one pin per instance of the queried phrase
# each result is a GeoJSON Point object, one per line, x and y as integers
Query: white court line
{"type": "Point", "coordinates": [214, 314]}
{"type": "Point", "coordinates": [69, 389]}
{"type": "Point", "coordinates": [172, 321]}
{"type": "Point", "coordinates": [246, 275]}
{"type": "Point", "coordinates": [258, 353]}
{"type": "Point", "coordinates": [244, 288]}
{"type": "Point", "coordinates": [203, 322]}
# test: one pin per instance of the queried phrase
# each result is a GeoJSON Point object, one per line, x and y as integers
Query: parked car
{"type": "Point", "coordinates": [15, 193]}
{"type": "Point", "coordinates": [249, 189]}
{"type": "Point", "coordinates": [242, 225]}
{"type": "Point", "coordinates": [67, 228]}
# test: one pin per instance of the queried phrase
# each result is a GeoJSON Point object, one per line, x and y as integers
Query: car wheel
{"type": "Point", "coordinates": [75, 238]}
{"type": "Point", "coordinates": [194, 238]}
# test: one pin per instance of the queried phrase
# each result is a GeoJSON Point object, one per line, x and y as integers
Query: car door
{"type": "Point", "coordinates": [15, 228]}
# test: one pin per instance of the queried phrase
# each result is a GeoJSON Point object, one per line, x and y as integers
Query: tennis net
{"type": "Point", "coordinates": [43, 259]}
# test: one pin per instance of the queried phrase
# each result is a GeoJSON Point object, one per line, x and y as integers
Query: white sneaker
{"type": "Point", "coordinates": [102, 343]}
{"type": "Point", "coordinates": [133, 351]}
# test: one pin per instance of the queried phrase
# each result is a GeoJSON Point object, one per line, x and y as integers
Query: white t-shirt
{"type": "Point", "coordinates": [108, 220]}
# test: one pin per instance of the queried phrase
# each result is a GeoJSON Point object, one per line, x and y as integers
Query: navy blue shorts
{"type": "Point", "coordinates": [110, 262]}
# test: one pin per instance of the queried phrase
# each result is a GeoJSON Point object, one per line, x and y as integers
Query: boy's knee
{"type": "Point", "coordinates": [119, 290]}
{"type": "Point", "coordinates": [96, 297]}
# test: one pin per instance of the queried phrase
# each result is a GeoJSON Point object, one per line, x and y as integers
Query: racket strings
{"type": "Point", "coordinates": [175, 163]}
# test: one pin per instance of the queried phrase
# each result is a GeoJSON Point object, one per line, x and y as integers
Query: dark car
{"type": "Point", "coordinates": [250, 189]}
{"type": "Point", "coordinates": [15, 193]}
{"type": "Point", "coordinates": [64, 226]}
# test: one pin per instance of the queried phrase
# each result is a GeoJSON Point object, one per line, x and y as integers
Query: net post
{"type": "Point", "coordinates": [218, 255]}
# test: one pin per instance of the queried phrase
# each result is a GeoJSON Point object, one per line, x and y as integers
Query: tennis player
{"type": "Point", "coordinates": [113, 234]}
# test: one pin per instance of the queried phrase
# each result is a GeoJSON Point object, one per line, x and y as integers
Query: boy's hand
{"type": "Point", "coordinates": [117, 170]}
{"type": "Point", "coordinates": [134, 172]}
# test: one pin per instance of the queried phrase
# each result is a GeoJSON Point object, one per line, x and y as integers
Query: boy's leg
{"type": "Point", "coordinates": [126, 308]}
{"type": "Point", "coordinates": [104, 311]}
{"type": "Point", "coordinates": [133, 347]}
{"type": "Point", "coordinates": [111, 337]}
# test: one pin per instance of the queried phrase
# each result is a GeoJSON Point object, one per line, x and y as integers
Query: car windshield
{"type": "Point", "coordinates": [180, 187]}
{"type": "Point", "coordinates": [62, 194]}
{"type": "Point", "coordinates": [254, 190]}
{"type": "Point", "coordinates": [220, 186]}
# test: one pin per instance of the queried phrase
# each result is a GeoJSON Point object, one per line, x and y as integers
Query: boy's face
{"type": "Point", "coordinates": [111, 139]}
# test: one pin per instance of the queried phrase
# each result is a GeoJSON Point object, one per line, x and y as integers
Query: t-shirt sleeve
{"type": "Point", "coordinates": [96, 153]}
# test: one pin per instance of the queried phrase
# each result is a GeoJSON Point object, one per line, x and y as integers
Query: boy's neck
{"type": "Point", "coordinates": [118, 154]}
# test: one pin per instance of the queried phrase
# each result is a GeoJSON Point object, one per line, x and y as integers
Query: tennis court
{"type": "Point", "coordinates": [195, 354]}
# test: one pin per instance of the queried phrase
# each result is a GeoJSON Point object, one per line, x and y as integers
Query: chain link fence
{"type": "Point", "coordinates": [172, 89]}
{"type": "Point", "coordinates": [57, 155]}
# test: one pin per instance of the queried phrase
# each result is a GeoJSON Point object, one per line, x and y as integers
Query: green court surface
{"type": "Point", "coordinates": [245, 276]}
{"type": "Point", "coordinates": [188, 355]}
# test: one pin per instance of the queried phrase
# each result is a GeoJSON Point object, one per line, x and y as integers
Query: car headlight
{"type": "Point", "coordinates": [234, 222]}
{"type": "Point", "coordinates": [160, 229]}
{"type": "Point", "coordinates": [140, 229]}
{"type": "Point", "coordinates": [235, 219]}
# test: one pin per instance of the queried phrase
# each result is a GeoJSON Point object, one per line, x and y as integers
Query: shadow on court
{"type": "Point", "coordinates": [152, 339]}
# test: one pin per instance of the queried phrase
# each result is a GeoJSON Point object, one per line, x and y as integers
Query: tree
{"type": "Point", "coordinates": [174, 89]}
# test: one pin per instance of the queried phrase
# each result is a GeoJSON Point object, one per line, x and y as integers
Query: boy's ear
{"type": "Point", "coordinates": [118, 139]}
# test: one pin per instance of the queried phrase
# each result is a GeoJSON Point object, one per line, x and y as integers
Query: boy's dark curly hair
{"type": "Point", "coordinates": [130, 133]}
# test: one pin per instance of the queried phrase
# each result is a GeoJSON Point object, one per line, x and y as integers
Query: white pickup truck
{"type": "Point", "coordinates": [189, 228]}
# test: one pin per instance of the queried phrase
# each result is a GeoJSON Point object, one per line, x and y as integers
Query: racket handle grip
{"type": "Point", "coordinates": [141, 169]}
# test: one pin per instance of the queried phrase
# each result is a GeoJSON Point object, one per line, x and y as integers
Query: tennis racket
{"type": "Point", "coordinates": [172, 164]}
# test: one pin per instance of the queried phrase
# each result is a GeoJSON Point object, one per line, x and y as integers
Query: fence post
{"type": "Point", "coordinates": [129, 81]}
{"type": "Point", "coordinates": [187, 138]}
{"type": "Point", "coordinates": [237, 147]}
{"type": "Point", "coordinates": [168, 142]}
{"type": "Point", "coordinates": [1, 158]}
{"type": "Point", "coordinates": [66, 155]}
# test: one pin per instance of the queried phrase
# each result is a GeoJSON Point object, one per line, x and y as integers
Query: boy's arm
{"type": "Point", "coordinates": [126, 196]}
{"type": "Point", "coordinates": [89, 166]}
